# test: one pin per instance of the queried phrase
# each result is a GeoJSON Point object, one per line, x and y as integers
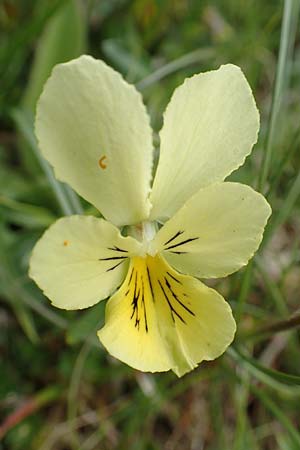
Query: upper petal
{"type": "Point", "coordinates": [161, 320]}
{"type": "Point", "coordinates": [210, 126]}
{"type": "Point", "coordinates": [216, 232]}
{"type": "Point", "coordinates": [80, 260]}
{"type": "Point", "coordinates": [94, 129]}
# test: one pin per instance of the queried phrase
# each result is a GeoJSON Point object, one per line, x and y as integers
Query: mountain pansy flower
{"type": "Point", "coordinates": [156, 239]}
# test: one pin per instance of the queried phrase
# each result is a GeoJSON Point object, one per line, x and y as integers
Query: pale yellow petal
{"type": "Point", "coordinates": [216, 232]}
{"type": "Point", "coordinates": [80, 260]}
{"type": "Point", "coordinates": [161, 320]}
{"type": "Point", "coordinates": [94, 130]}
{"type": "Point", "coordinates": [210, 126]}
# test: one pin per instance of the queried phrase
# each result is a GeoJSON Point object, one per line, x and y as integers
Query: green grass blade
{"type": "Point", "coordinates": [287, 208]}
{"type": "Point", "coordinates": [26, 130]}
{"type": "Point", "coordinates": [244, 291]}
{"type": "Point", "coordinates": [248, 361]}
{"type": "Point", "coordinates": [25, 214]}
{"type": "Point", "coordinates": [74, 200]}
{"type": "Point", "coordinates": [73, 392]}
{"type": "Point", "coordinates": [287, 39]}
{"type": "Point", "coordinates": [278, 413]}
{"type": "Point", "coordinates": [282, 163]}
{"type": "Point", "coordinates": [64, 38]}
{"type": "Point", "coordinates": [16, 49]}
{"type": "Point", "coordinates": [16, 293]}
{"type": "Point", "coordinates": [178, 64]}
{"type": "Point", "coordinates": [272, 288]}
{"type": "Point", "coordinates": [288, 35]}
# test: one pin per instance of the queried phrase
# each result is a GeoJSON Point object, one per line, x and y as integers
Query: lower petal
{"type": "Point", "coordinates": [160, 319]}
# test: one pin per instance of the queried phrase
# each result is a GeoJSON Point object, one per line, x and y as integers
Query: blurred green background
{"type": "Point", "coordinates": [58, 388]}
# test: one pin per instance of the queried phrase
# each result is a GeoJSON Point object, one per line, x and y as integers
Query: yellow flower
{"type": "Point", "coordinates": [94, 130]}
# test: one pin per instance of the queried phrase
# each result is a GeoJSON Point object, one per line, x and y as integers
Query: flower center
{"type": "Point", "coordinates": [144, 232]}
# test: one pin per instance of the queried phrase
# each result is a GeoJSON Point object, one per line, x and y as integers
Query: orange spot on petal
{"type": "Point", "coordinates": [102, 163]}
{"type": "Point", "coordinates": [66, 243]}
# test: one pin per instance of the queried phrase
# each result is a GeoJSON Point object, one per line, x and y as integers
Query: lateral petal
{"type": "Point", "coordinates": [80, 260]}
{"type": "Point", "coordinates": [216, 232]}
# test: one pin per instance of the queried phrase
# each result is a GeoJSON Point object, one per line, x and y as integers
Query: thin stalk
{"type": "Point", "coordinates": [268, 329]}
{"type": "Point", "coordinates": [244, 291]}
